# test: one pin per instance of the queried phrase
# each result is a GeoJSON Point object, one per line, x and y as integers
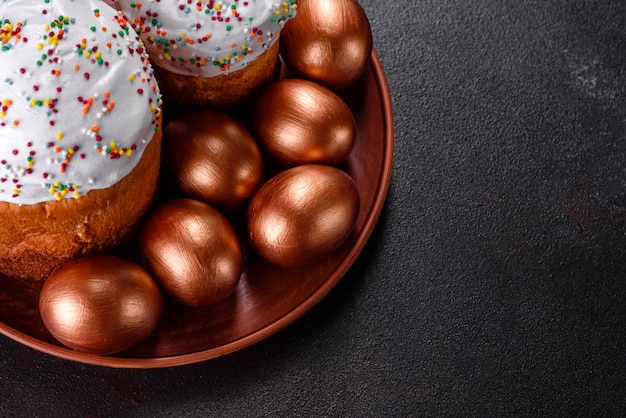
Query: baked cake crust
{"type": "Point", "coordinates": [35, 239]}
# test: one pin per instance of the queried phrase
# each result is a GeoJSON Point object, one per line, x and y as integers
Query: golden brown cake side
{"type": "Point", "coordinates": [226, 90]}
{"type": "Point", "coordinates": [35, 239]}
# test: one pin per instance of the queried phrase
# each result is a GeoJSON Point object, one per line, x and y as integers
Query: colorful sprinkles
{"type": "Point", "coordinates": [78, 100]}
{"type": "Point", "coordinates": [207, 37]}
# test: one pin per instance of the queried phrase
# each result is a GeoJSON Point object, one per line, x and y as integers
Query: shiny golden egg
{"type": "Point", "coordinates": [210, 156]}
{"type": "Point", "coordinates": [303, 214]}
{"type": "Point", "coordinates": [300, 122]}
{"type": "Point", "coordinates": [192, 251]}
{"type": "Point", "coordinates": [328, 41]}
{"type": "Point", "coordinates": [100, 304]}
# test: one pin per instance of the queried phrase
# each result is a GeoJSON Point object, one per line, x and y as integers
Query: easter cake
{"type": "Point", "coordinates": [79, 133]}
{"type": "Point", "coordinates": [210, 53]}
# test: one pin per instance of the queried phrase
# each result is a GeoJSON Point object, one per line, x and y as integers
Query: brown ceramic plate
{"type": "Point", "coordinates": [268, 298]}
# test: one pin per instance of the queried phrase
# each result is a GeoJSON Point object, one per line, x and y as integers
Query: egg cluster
{"type": "Point", "coordinates": [213, 162]}
{"type": "Point", "coordinates": [66, 117]}
{"type": "Point", "coordinates": [207, 38]}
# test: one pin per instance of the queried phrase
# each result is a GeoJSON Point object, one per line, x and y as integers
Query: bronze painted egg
{"type": "Point", "coordinates": [328, 41]}
{"type": "Point", "coordinates": [303, 214]}
{"type": "Point", "coordinates": [100, 304]}
{"type": "Point", "coordinates": [210, 156]}
{"type": "Point", "coordinates": [192, 251]}
{"type": "Point", "coordinates": [300, 122]}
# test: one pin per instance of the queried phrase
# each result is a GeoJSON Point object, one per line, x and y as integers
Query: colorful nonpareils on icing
{"type": "Point", "coordinates": [78, 99]}
{"type": "Point", "coordinates": [207, 38]}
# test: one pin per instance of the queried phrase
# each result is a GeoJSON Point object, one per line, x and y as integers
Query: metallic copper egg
{"type": "Point", "coordinates": [210, 156]}
{"type": "Point", "coordinates": [301, 122]}
{"type": "Point", "coordinates": [192, 251]}
{"type": "Point", "coordinates": [100, 304]}
{"type": "Point", "coordinates": [328, 41]}
{"type": "Point", "coordinates": [302, 215]}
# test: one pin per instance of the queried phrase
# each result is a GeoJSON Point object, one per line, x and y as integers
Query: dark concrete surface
{"type": "Point", "coordinates": [495, 281]}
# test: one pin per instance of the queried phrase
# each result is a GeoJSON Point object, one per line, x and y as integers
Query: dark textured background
{"type": "Point", "coordinates": [495, 282]}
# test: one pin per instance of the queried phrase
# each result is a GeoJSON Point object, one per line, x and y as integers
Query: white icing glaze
{"type": "Point", "coordinates": [207, 38]}
{"type": "Point", "coordinates": [78, 101]}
